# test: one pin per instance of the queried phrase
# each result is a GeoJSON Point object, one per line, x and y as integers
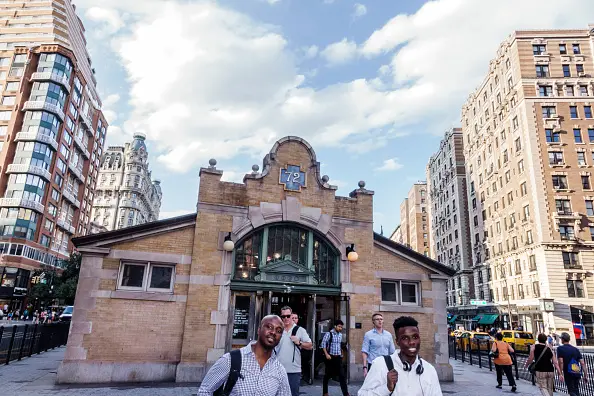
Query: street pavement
{"type": "Point", "coordinates": [36, 376]}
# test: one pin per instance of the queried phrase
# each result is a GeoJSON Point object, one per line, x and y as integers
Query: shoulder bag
{"type": "Point", "coordinates": [532, 366]}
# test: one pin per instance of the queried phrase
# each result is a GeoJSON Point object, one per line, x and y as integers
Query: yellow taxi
{"type": "Point", "coordinates": [519, 340]}
{"type": "Point", "coordinates": [456, 333]}
{"type": "Point", "coordinates": [475, 339]}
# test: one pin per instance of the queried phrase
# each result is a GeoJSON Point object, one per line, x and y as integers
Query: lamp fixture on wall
{"type": "Point", "coordinates": [228, 245]}
{"type": "Point", "coordinates": [352, 256]}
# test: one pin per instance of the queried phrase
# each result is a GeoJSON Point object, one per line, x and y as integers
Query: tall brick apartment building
{"type": "Point", "coordinates": [164, 300]}
{"type": "Point", "coordinates": [52, 132]}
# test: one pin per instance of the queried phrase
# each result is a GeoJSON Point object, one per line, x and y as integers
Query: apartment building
{"type": "Point", "coordinates": [448, 217]}
{"type": "Point", "coordinates": [414, 226]}
{"type": "Point", "coordinates": [52, 132]}
{"type": "Point", "coordinates": [126, 195]}
{"type": "Point", "coordinates": [529, 148]}
{"type": "Point", "coordinates": [397, 235]}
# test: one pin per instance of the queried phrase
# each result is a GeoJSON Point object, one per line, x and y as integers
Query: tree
{"type": "Point", "coordinates": [67, 282]}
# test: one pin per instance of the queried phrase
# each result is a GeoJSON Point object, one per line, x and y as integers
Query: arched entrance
{"type": "Point", "coordinates": [286, 264]}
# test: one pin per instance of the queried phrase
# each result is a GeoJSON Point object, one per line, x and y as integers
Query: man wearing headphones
{"type": "Point", "coordinates": [409, 375]}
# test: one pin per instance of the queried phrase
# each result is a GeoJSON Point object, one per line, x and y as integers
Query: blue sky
{"type": "Point", "coordinates": [372, 85]}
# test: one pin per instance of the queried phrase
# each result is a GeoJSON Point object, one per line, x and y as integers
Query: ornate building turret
{"type": "Point", "coordinates": [126, 195]}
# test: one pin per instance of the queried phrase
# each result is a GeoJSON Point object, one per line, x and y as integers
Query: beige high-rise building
{"type": "Point", "coordinates": [52, 132]}
{"type": "Point", "coordinates": [414, 226]}
{"type": "Point", "coordinates": [448, 217]}
{"type": "Point", "coordinates": [529, 148]}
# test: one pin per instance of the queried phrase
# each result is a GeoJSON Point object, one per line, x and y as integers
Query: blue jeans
{"type": "Point", "coordinates": [294, 381]}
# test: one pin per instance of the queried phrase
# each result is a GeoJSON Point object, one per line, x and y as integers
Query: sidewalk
{"type": "Point", "coordinates": [35, 376]}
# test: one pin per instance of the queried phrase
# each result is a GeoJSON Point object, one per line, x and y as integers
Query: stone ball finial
{"type": "Point", "coordinates": [325, 178]}
{"type": "Point", "coordinates": [212, 162]}
{"type": "Point", "coordinates": [362, 184]}
{"type": "Point", "coordinates": [255, 168]}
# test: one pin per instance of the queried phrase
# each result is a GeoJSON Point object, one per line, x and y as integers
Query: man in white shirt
{"type": "Point", "coordinates": [411, 376]}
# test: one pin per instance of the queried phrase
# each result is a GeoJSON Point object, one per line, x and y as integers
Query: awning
{"type": "Point", "coordinates": [453, 319]}
{"type": "Point", "coordinates": [488, 319]}
{"type": "Point", "coordinates": [477, 318]}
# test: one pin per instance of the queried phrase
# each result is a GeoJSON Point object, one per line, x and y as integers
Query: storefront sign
{"type": "Point", "coordinates": [478, 302]}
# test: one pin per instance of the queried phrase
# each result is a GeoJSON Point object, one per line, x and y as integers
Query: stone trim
{"type": "Point", "coordinates": [141, 234]}
{"type": "Point", "coordinates": [405, 276]}
{"type": "Point", "coordinates": [165, 258]}
{"type": "Point", "coordinates": [109, 372]}
{"type": "Point", "coordinates": [94, 251]}
{"type": "Point", "coordinates": [138, 295]}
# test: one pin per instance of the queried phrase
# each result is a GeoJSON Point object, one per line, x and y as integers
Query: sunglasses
{"type": "Point", "coordinates": [285, 316]}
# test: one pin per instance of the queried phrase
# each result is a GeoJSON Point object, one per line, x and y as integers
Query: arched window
{"type": "Point", "coordinates": [286, 249]}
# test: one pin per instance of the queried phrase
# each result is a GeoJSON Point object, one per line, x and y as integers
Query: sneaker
{"type": "Point", "coordinates": [498, 387]}
{"type": "Point", "coordinates": [513, 389]}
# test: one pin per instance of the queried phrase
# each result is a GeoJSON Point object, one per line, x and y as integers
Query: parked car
{"type": "Point", "coordinates": [474, 339]}
{"type": "Point", "coordinates": [519, 340]}
{"type": "Point", "coordinates": [66, 315]}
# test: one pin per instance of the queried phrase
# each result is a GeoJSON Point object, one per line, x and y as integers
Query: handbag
{"type": "Point", "coordinates": [496, 353]}
{"type": "Point", "coordinates": [532, 366]}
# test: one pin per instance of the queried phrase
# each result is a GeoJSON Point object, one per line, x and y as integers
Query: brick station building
{"type": "Point", "coordinates": [164, 300]}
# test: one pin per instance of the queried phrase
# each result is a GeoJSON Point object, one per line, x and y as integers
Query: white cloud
{"type": "Point", "coordinates": [272, 2]}
{"type": "Point", "coordinates": [109, 108]}
{"type": "Point", "coordinates": [359, 10]}
{"type": "Point", "coordinates": [340, 52]}
{"type": "Point", "coordinates": [175, 213]}
{"type": "Point", "coordinates": [390, 164]}
{"type": "Point", "coordinates": [311, 51]}
{"type": "Point", "coordinates": [238, 94]}
{"type": "Point", "coordinates": [233, 176]}
{"type": "Point", "coordinates": [108, 17]}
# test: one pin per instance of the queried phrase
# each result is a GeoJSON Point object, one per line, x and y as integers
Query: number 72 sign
{"type": "Point", "coordinates": [292, 178]}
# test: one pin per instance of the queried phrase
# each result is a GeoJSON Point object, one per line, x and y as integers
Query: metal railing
{"type": "Point", "coordinates": [19, 341]}
{"type": "Point", "coordinates": [476, 353]}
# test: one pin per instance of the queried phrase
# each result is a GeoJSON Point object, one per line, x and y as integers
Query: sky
{"type": "Point", "coordinates": [372, 85]}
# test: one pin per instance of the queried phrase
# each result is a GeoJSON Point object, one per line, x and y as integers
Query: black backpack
{"type": "Point", "coordinates": [234, 374]}
{"type": "Point", "coordinates": [294, 333]}
{"type": "Point", "coordinates": [389, 362]}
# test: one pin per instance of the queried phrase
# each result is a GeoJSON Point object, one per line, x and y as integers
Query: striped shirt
{"type": "Point", "coordinates": [334, 349]}
{"type": "Point", "coordinates": [271, 380]}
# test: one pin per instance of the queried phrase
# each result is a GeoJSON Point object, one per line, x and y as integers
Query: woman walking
{"type": "Point", "coordinates": [544, 366]}
{"type": "Point", "coordinates": [503, 361]}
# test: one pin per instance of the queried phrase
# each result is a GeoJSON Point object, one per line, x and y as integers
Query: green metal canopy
{"type": "Point", "coordinates": [488, 319]}
{"type": "Point", "coordinates": [477, 317]}
{"type": "Point", "coordinates": [453, 319]}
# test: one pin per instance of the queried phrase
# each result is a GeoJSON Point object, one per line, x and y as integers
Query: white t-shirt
{"type": "Point", "coordinates": [409, 382]}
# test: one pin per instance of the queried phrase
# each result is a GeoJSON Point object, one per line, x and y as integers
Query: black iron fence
{"type": "Point", "coordinates": [19, 341]}
{"type": "Point", "coordinates": [476, 353]}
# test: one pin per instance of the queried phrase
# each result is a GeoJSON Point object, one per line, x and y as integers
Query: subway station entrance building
{"type": "Point", "coordinates": [164, 300]}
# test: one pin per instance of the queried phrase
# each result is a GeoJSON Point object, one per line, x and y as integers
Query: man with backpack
{"type": "Point", "coordinates": [251, 370]}
{"type": "Point", "coordinates": [403, 373]}
{"type": "Point", "coordinates": [332, 347]}
{"type": "Point", "coordinates": [573, 365]}
{"type": "Point", "coordinates": [294, 339]}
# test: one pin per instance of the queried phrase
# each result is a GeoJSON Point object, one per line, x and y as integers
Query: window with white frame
{"type": "Point", "coordinates": [153, 277]}
{"type": "Point", "coordinates": [401, 292]}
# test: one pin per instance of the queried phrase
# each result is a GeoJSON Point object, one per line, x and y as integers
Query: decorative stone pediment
{"type": "Point", "coordinates": [286, 271]}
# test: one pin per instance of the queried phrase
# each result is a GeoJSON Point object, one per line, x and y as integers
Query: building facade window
{"type": "Point", "coordinates": [146, 277]}
{"type": "Point", "coordinates": [400, 292]}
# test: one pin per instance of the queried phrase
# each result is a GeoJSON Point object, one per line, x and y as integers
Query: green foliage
{"type": "Point", "coordinates": [64, 284]}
